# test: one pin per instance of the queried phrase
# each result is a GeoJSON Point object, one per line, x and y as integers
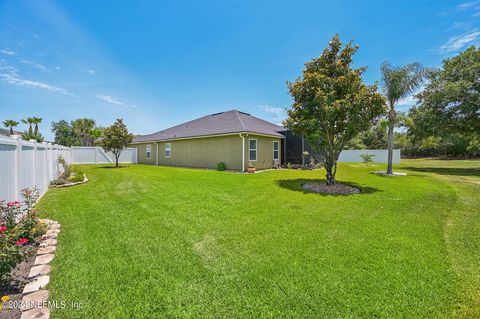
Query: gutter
{"type": "Point", "coordinates": [243, 152]}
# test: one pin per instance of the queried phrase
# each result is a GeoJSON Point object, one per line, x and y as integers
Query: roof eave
{"type": "Point", "coordinates": [208, 136]}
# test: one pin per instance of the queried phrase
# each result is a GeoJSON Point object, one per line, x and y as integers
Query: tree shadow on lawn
{"type": "Point", "coordinates": [120, 166]}
{"type": "Point", "coordinates": [296, 185]}
{"type": "Point", "coordinates": [474, 171]}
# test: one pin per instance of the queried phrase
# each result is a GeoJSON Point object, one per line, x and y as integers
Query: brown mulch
{"type": "Point", "coordinates": [14, 288]}
{"type": "Point", "coordinates": [337, 189]}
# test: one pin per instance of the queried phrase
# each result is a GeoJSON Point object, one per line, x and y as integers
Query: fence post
{"type": "Point", "coordinates": [34, 168]}
{"type": "Point", "coordinates": [16, 169]}
{"type": "Point", "coordinates": [46, 168]}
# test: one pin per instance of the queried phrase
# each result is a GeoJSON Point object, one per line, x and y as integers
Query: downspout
{"type": "Point", "coordinates": [243, 152]}
{"type": "Point", "coordinates": [156, 157]}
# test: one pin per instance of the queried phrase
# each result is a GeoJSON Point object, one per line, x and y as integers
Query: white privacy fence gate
{"type": "Point", "coordinates": [25, 164]}
{"type": "Point", "coordinates": [96, 155]}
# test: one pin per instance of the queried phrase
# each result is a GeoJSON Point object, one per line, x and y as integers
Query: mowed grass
{"type": "Point", "coordinates": [156, 242]}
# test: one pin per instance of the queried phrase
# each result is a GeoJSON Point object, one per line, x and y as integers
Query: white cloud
{"type": "Point", "coordinates": [279, 114]}
{"type": "Point", "coordinates": [458, 42]}
{"type": "Point", "coordinates": [35, 65]}
{"type": "Point", "coordinates": [8, 52]}
{"type": "Point", "coordinates": [91, 71]}
{"type": "Point", "coordinates": [11, 75]}
{"type": "Point", "coordinates": [112, 100]}
{"type": "Point", "coordinates": [16, 80]}
{"type": "Point", "coordinates": [467, 5]}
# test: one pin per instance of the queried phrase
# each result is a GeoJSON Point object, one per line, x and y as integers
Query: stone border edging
{"type": "Point", "coordinates": [34, 295]}
{"type": "Point", "coordinates": [85, 180]}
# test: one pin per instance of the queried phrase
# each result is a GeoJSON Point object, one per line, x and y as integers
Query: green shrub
{"type": "Point", "coordinates": [58, 181]}
{"type": "Point", "coordinates": [221, 166]}
{"type": "Point", "coordinates": [67, 170]}
{"type": "Point", "coordinates": [367, 158]}
{"type": "Point", "coordinates": [76, 178]}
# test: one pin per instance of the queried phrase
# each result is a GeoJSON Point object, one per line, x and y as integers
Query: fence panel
{"type": "Point", "coordinates": [380, 156]}
{"type": "Point", "coordinates": [8, 178]}
{"type": "Point", "coordinates": [25, 164]}
{"type": "Point", "coordinates": [96, 155]}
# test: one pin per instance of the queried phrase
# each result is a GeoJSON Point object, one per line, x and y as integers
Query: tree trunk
{"type": "Point", "coordinates": [116, 160]}
{"type": "Point", "coordinates": [391, 125]}
{"type": "Point", "coordinates": [331, 169]}
{"type": "Point", "coordinates": [11, 130]}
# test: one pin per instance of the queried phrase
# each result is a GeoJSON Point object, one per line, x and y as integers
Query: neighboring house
{"type": "Point", "coordinates": [234, 138]}
{"type": "Point", "coordinates": [6, 132]}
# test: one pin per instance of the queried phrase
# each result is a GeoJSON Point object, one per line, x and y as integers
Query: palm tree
{"type": "Point", "coordinates": [398, 83]}
{"type": "Point", "coordinates": [36, 121]}
{"type": "Point", "coordinates": [95, 135]}
{"type": "Point", "coordinates": [29, 121]}
{"type": "Point", "coordinates": [10, 124]}
{"type": "Point", "coordinates": [82, 128]}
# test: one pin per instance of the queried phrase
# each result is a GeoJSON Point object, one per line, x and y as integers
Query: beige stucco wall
{"type": "Point", "coordinates": [264, 151]}
{"type": "Point", "coordinates": [142, 153]}
{"type": "Point", "coordinates": [208, 152]}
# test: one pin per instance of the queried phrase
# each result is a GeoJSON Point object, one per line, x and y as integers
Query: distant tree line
{"type": "Point", "coordinates": [446, 119]}
{"type": "Point", "coordinates": [79, 132]}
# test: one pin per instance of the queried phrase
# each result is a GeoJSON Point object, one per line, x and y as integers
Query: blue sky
{"type": "Point", "coordinates": [159, 63]}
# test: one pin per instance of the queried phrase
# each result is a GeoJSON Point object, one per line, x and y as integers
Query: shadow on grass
{"type": "Point", "coordinates": [446, 170]}
{"type": "Point", "coordinates": [120, 166]}
{"type": "Point", "coordinates": [296, 185]}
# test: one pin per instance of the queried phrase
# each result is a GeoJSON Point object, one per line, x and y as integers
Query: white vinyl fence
{"type": "Point", "coordinates": [25, 164]}
{"type": "Point", "coordinates": [380, 156]}
{"type": "Point", "coordinates": [96, 155]}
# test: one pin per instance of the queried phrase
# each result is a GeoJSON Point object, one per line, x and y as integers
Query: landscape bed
{"type": "Point", "coordinates": [146, 241]}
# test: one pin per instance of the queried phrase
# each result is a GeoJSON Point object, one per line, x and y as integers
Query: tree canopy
{"type": "Point", "coordinates": [115, 138]}
{"type": "Point", "coordinates": [332, 104]}
{"type": "Point", "coordinates": [450, 103]}
{"type": "Point", "coordinates": [79, 132]}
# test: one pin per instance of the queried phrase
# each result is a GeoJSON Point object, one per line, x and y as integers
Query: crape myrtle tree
{"type": "Point", "coordinates": [115, 138]}
{"type": "Point", "coordinates": [398, 83]}
{"type": "Point", "coordinates": [332, 105]}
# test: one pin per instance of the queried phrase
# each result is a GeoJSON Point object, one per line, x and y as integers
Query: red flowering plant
{"type": "Point", "coordinates": [20, 231]}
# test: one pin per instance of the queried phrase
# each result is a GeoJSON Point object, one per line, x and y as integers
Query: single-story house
{"type": "Point", "coordinates": [6, 132]}
{"type": "Point", "coordinates": [234, 138]}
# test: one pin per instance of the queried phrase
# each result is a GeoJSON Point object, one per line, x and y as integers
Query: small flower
{"type": "Point", "coordinates": [2, 229]}
{"type": "Point", "coordinates": [5, 298]}
{"type": "Point", "coordinates": [21, 241]}
{"type": "Point", "coordinates": [16, 204]}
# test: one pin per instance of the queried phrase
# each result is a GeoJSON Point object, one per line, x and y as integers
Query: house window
{"type": "Point", "coordinates": [149, 151]}
{"type": "Point", "coordinates": [168, 149]}
{"type": "Point", "coordinates": [252, 143]}
{"type": "Point", "coordinates": [276, 150]}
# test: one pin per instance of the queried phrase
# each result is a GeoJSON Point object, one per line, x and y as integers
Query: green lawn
{"type": "Point", "coordinates": [154, 242]}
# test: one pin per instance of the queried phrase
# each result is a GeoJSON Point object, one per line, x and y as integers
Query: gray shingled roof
{"type": "Point", "coordinates": [219, 123]}
{"type": "Point", "coordinates": [6, 132]}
